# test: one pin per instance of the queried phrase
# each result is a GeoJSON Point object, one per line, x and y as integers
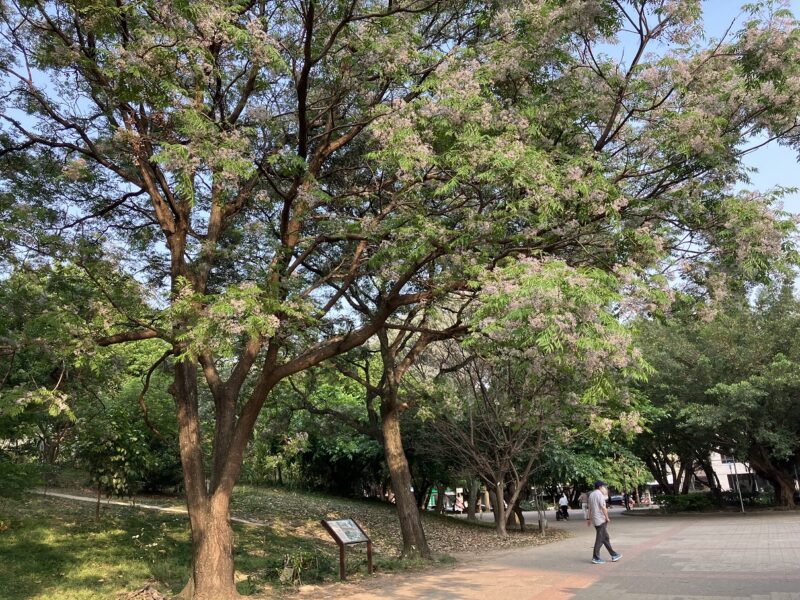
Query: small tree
{"type": "Point", "coordinates": [549, 360]}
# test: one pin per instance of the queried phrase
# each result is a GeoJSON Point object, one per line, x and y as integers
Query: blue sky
{"type": "Point", "coordinates": [776, 165]}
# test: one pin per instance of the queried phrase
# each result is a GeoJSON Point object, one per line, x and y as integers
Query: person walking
{"type": "Point", "coordinates": [598, 516]}
{"type": "Point", "coordinates": [584, 502]}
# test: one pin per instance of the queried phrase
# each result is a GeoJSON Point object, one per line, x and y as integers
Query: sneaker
{"type": "Point", "coordinates": [598, 561]}
{"type": "Point", "coordinates": [615, 557]}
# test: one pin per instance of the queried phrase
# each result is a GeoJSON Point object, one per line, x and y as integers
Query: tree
{"type": "Point", "coordinates": [399, 347]}
{"type": "Point", "coordinates": [549, 362]}
{"type": "Point", "coordinates": [47, 373]}
{"type": "Point", "coordinates": [221, 146]}
{"type": "Point", "coordinates": [263, 168]}
{"type": "Point", "coordinates": [728, 385]}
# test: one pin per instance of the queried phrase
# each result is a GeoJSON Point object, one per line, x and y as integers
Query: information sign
{"type": "Point", "coordinates": [345, 532]}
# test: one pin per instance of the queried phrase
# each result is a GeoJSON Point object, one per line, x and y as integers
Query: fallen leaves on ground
{"type": "Point", "coordinates": [295, 513]}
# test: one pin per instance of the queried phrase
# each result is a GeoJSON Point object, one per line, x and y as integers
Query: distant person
{"type": "Point", "coordinates": [583, 500]}
{"type": "Point", "coordinates": [563, 507]}
{"type": "Point", "coordinates": [598, 516]}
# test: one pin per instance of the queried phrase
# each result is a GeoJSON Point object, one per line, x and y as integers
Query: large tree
{"type": "Point", "coordinates": [220, 148]}
{"type": "Point", "coordinates": [266, 169]}
{"type": "Point", "coordinates": [726, 384]}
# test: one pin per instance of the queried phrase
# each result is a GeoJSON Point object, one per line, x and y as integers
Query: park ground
{"type": "Point", "coordinates": [51, 547]}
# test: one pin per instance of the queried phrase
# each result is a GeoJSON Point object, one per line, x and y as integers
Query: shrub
{"type": "Point", "coordinates": [685, 502]}
{"type": "Point", "coordinates": [762, 498]}
{"type": "Point", "coordinates": [15, 477]}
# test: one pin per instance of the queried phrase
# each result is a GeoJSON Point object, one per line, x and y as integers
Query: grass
{"type": "Point", "coordinates": [53, 548]}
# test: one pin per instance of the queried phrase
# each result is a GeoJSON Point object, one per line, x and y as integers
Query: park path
{"type": "Point", "coordinates": [709, 557]}
{"type": "Point", "coordinates": [753, 556]}
{"type": "Point", "coordinates": [175, 510]}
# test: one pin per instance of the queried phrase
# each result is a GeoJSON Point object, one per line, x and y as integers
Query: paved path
{"type": "Point", "coordinates": [713, 557]}
{"type": "Point", "coordinates": [176, 510]}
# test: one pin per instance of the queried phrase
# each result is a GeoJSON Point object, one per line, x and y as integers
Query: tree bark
{"type": "Point", "coordinates": [427, 497]}
{"type": "Point", "coordinates": [440, 489]}
{"type": "Point", "coordinates": [474, 484]}
{"type": "Point", "coordinates": [421, 493]}
{"type": "Point", "coordinates": [212, 537]}
{"type": "Point", "coordinates": [414, 541]}
{"type": "Point", "coordinates": [716, 493]}
{"type": "Point", "coordinates": [496, 493]}
{"type": "Point", "coordinates": [212, 551]}
{"type": "Point", "coordinates": [782, 482]}
{"type": "Point", "coordinates": [516, 511]}
{"type": "Point", "coordinates": [687, 479]}
{"type": "Point", "coordinates": [659, 472]}
{"type": "Point", "coordinates": [677, 478]}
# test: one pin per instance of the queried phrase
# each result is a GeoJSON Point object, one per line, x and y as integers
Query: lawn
{"type": "Point", "coordinates": [53, 548]}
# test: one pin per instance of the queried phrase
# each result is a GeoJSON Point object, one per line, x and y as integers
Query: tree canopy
{"type": "Point", "coordinates": [265, 186]}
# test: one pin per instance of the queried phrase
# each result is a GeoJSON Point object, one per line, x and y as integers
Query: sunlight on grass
{"type": "Point", "coordinates": [54, 549]}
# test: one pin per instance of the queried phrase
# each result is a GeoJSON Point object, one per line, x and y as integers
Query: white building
{"type": "Point", "coordinates": [729, 471]}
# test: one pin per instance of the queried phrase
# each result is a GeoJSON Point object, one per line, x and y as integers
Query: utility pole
{"type": "Point", "coordinates": [738, 487]}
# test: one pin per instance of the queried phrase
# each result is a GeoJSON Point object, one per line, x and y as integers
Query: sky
{"type": "Point", "coordinates": [776, 165]}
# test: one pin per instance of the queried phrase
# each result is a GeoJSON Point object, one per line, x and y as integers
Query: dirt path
{"type": "Point", "coordinates": [175, 510]}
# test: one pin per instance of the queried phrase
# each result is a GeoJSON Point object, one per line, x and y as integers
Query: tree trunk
{"type": "Point", "coordinates": [716, 493]}
{"type": "Point", "coordinates": [421, 493]}
{"type": "Point", "coordinates": [414, 542]}
{"type": "Point", "coordinates": [212, 552]}
{"type": "Point", "coordinates": [659, 472]}
{"type": "Point", "coordinates": [386, 486]}
{"type": "Point", "coordinates": [515, 514]}
{"type": "Point", "coordinates": [687, 480]}
{"type": "Point", "coordinates": [496, 494]}
{"type": "Point", "coordinates": [427, 500]}
{"type": "Point", "coordinates": [542, 516]}
{"type": "Point", "coordinates": [783, 483]}
{"type": "Point", "coordinates": [677, 478]}
{"type": "Point", "coordinates": [473, 499]}
{"type": "Point", "coordinates": [212, 537]}
{"type": "Point", "coordinates": [440, 489]}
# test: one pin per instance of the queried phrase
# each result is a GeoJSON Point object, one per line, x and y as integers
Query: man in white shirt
{"type": "Point", "coordinates": [598, 516]}
{"type": "Point", "coordinates": [563, 506]}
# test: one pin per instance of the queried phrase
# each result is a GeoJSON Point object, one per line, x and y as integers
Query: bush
{"type": "Point", "coordinates": [16, 477]}
{"type": "Point", "coordinates": [685, 503]}
{"type": "Point", "coordinates": [762, 498]}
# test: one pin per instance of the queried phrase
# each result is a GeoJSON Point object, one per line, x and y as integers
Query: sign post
{"type": "Point", "coordinates": [346, 532]}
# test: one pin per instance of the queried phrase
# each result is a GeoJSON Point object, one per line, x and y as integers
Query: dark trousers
{"type": "Point", "coordinates": [601, 539]}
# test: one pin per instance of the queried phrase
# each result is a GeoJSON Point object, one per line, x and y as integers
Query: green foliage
{"type": "Point", "coordinates": [274, 185]}
{"type": "Point", "coordinates": [118, 450]}
{"type": "Point", "coordinates": [749, 498]}
{"type": "Point", "coordinates": [16, 477]}
{"type": "Point", "coordinates": [672, 503]}
{"type": "Point", "coordinates": [727, 381]}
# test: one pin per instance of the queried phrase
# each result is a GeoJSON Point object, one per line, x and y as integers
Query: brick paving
{"type": "Point", "coordinates": [709, 557]}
